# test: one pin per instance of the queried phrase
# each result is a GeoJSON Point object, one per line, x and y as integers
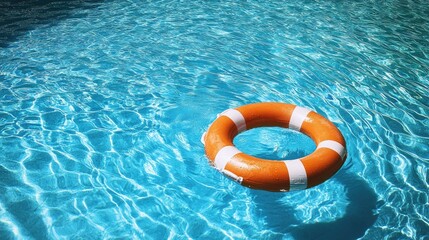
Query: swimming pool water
{"type": "Point", "coordinates": [102, 106]}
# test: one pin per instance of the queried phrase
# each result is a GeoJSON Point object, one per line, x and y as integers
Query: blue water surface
{"type": "Point", "coordinates": [103, 104]}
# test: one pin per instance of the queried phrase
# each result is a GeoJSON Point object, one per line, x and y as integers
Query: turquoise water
{"type": "Point", "coordinates": [103, 104]}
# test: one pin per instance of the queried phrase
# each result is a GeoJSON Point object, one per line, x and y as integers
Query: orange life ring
{"type": "Point", "coordinates": [275, 175]}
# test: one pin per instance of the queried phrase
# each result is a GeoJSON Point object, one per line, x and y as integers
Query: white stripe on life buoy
{"type": "Point", "coordinates": [297, 118]}
{"type": "Point", "coordinates": [237, 118]}
{"type": "Point", "coordinates": [297, 174]}
{"type": "Point", "coordinates": [337, 147]}
{"type": "Point", "coordinates": [224, 155]}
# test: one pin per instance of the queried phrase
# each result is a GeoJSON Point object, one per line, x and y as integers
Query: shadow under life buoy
{"type": "Point", "coordinates": [360, 213]}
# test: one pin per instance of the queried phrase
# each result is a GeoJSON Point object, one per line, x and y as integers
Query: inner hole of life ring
{"type": "Point", "coordinates": [274, 143]}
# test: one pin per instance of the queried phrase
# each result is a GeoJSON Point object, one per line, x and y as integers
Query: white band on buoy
{"type": "Point", "coordinates": [337, 147]}
{"type": "Point", "coordinates": [237, 118]}
{"type": "Point", "coordinates": [298, 116]}
{"type": "Point", "coordinates": [297, 174]}
{"type": "Point", "coordinates": [224, 155]}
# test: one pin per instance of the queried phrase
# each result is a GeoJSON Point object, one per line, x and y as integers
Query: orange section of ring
{"type": "Point", "coordinates": [275, 175]}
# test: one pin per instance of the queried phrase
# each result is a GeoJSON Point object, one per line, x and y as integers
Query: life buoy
{"type": "Point", "coordinates": [275, 175]}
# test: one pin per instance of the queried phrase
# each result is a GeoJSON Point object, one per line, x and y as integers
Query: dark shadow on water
{"type": "Point", "coordinates": [25, 212]}
{"type": "Point", "coordinates": [17, 17]}
{"type": "Point", "coordinates": [359, 214]}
